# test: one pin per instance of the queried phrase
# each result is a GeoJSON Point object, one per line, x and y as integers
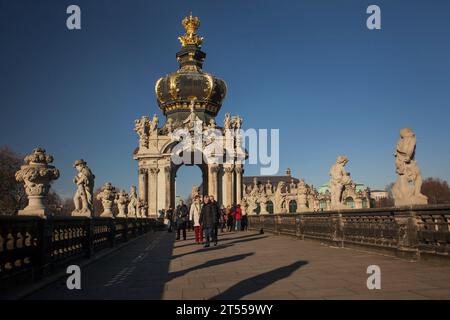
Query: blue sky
{"type": "Point", "coordinates": [310, 68]}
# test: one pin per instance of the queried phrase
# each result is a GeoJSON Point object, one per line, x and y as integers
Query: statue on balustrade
{"type": "Point", "coordinates": [133, 202]}
{"type": "Point", "coordinates": [142, 128]}
{"type": "Point", "coordinates": [84, 195]}
{"type": "Point", "coordinates": [407, 188]}
{"type": "Point", "coordinates": [122, 203]}
{"type": "Point", "coordinates": [302, 196]}
{"type": "Point", "coordinates": [107, 196]}
{"type": "Point", "coordinates": [339, 180]}
{"type": "Point", "coordinates": [280, 198]}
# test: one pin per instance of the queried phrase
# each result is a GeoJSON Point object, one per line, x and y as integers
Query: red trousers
{"type": "Point", "coordinates": [198, 234]}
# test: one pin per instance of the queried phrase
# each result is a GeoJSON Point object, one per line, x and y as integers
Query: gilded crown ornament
{"type": "Point", "coordinates": [191, 24]}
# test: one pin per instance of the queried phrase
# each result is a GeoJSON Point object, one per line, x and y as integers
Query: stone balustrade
{"type": "Point", "coordinates": [32, 247]}
{"type": "Point", "coordinates": [416, 232]}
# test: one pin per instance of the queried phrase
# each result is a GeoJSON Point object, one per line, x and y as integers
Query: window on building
{"type": "Point", "coordinates": [292, 206]}
{"type": "Point", "coordinates": [323, 204]}
{"type": "Point", "coordinates": [349, 202]}
{"type": "Point", "coordinates": [270, 207]}
{"type": "Point", "coordinates": [365, 203]}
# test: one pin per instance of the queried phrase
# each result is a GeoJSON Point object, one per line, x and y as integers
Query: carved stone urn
{"type": "Point", "coordinates": [36, 174]}
{"type": "Point", "coordinates": [107, 196]}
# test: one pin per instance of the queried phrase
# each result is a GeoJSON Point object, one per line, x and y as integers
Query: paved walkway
{"type": "Point", "coordinates": [247, 265]}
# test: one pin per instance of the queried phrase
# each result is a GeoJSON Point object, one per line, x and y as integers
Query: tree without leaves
{"type": "Point", "coordinates": [437, 190]}
{"type": "Point", "coordinates": [12, 193]}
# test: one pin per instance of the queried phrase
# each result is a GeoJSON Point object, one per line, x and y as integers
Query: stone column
{"type": "Point", "coordinates": [143, 192]}
{"type": "Point", "coordinates": [153, 192]}
{"type": "Point", "coordinates": [213, 169]}
{"type": "Point", "coordinates": [239, 171]}
{"type": "Point", "coordinates": [227, 184]}
{"type": "Point", "coordinates": [168, 179]}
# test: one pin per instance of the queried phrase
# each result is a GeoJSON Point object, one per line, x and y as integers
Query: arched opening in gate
{"type": "Point", "coordinates": [188, 179]}
{"type": "Point", "coordinates": [292, 206]}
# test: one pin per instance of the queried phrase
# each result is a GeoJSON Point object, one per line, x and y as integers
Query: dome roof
{"type": "Point", "coordinates": [176, 92]}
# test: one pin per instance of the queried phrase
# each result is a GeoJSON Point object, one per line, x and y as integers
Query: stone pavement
{"type": "Point", "coordinates": [247, 265]}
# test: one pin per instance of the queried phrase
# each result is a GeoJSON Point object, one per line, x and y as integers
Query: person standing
{"type": "Point", "coordinates": [169, 217]}
{"type": "Point", "coordinates": [238, 216]}
{"type": "Point", "coordinates": [195, 218]}
{"type": "Point", "coordinates": [223, 218]}
{"type": "Point", "coordinates": [182, 216]}
{"type": "Point", "coordinates": [218, 218]}
{"type": "Point", "coordinates": [244, 222]}
{"type": "Point", "coordinates": [208, 217]}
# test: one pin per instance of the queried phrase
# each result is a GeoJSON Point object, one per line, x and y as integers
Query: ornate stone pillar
{"type": "Point", "coordinates": [228, 170]}
{"type": "Point", "coordinates": [239, 171]}
{"type": "Point", "coordinates": [213, 170]}
{"type": "Point", "coordinates": [143, 192]}
{"type": "Point", "coordinates": [153, 192]}
{"type": "Point", "coordinates": [168, 179]}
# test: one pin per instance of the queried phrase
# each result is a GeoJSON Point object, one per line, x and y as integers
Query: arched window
{"type": "Point", "coordinates": [349, 202]}
{"type": "Point", "coordinates": [292, 206]}
{"type": "Point", "coordinates": [365, 203]}
{"type": "Point", "coordinates": [258, 209]}
{"type": "Point", "coordinates": [270, 207]}
{"type": "Point", "coordinates": [323, 204]}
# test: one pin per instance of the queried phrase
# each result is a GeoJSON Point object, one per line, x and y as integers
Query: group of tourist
{"type": "Point", "coordinates": [206, 218]}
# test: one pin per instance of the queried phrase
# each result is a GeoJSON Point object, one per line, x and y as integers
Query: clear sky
{"type": "Point", "coordinates": [310, 68]}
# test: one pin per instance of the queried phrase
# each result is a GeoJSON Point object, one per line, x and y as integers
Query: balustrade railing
{"type": "Point", "coordinates": [414, 232]}
{"type": "Point", "coordinates": [31, 247]}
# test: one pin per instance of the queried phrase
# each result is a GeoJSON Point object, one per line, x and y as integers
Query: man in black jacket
{"type": "Point", "coordinates": [207, 219]}
{"type": "Point", "coordinates": [218, 218]}
{"type": "Point", "coordinates": [182, 217]}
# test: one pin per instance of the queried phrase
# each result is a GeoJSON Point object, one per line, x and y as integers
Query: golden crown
{"type": "Point", "coordinates": [191, 24]}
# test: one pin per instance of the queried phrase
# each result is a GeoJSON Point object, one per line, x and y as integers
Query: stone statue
{"type": "Point", "coordinates": [339, 179]}
{"type": "Point", "coordinates": [142, 128]}
{"type": "Point", "coordinates": [169, 125]}
{"type": "Point", "coordinates": [212, 123]}
{"type": "Point", "coordinates": [83, 198]}
{"type": "Point", "coordinates": [269, 187]}
{"type": "Point", "coordinates": [195, 192]}
{"type": "Point", "coordinates": [280, 198]}
{"type": "Point", "coordinates": [407, 188]}
{"type": "Point", "coordinates": [143, 207]}
{"type": "Point", "coordinates": [122, 203]}
{"type": "Point", "coordinates": [154, 124]}
{"type": "Point", "coordinates": [107, 196]}
{"type": "Point", "coordinates": [36, 174]}
{"type": "Point", "coordinates": [227, 122]}
{"type": "Point", "coordinates": [302, 196]}
{"type": "Point", "coordinates": [133, 202]}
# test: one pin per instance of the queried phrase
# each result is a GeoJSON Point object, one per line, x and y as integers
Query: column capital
{"type": "Point", "coordinates": [143, 170]}
{"type": "Point", "coordinates": [154, 171]}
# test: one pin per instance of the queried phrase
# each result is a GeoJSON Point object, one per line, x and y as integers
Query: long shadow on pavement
{"type": "Point", "coordinates": [258, 282]}
{"type": "Point", "coordinates": [220, 246]}
{"type": "Point", "coordinates": [208, 264]}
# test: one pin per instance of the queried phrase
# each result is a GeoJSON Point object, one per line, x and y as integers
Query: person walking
{"type": "Point", "coordinates": [208, 217]}
{"type": "Point", "coordinates": [195, 218]}
{"type": "Point", "coordinates": [169, 217]}
{"type": "Point", "coordinates": [238, 216]}
{"type": "Point", "coordinates": [182, 216]}
{"type": "Point", "coordinates": [229, 219]}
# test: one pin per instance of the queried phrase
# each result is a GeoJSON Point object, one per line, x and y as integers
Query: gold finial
{"type": "Point", "coordinates": [191, 24]}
